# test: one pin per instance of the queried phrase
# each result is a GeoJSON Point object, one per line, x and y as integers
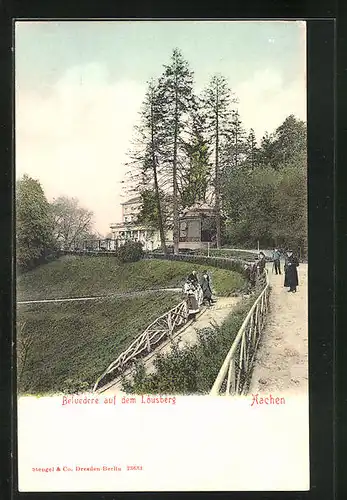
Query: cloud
{"type": "Point", "coordinates": [265, 100]}
{"type": "Point", "coordinates": [74, 138]}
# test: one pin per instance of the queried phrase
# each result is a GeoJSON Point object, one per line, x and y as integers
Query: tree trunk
{"type": "Point", "coordinates": [160, 217]}
{"type": "Point", "coordinates": [174, 176]}
{"type": "Point", "coordinates": [217, 181]}
{"type": "Point", "coordinates": [156, 187]}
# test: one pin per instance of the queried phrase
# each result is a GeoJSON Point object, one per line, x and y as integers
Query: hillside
{"type": "Point", "coordinates": [71, 343]}
{"type": "Point", "coordinates": [74, 276]}
{"type": "Point", "coordinates": [76, 340]}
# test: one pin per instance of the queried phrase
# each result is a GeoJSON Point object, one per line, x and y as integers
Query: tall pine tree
{"type": "Point", "coordinates": [237, 141]}
{"type": "Point", "coordinates": [217, 100]}
{"type": "Point", "coordinates": [147, 158]}
{"type": "Point", "coordinates": [251, 150]}
{"type": "Point", "coordinates": [176, 90]}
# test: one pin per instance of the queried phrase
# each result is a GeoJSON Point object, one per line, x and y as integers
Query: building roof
{"type": "Point", "coordinates": [197, 209]}
{"type": "Point", "coordinates": [132, 200]}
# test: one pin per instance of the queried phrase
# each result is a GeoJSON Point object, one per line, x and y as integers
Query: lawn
{"type": "Point", "coordinates": [76, 341]}
{"type": "Point", "coordinates": [74, 276]}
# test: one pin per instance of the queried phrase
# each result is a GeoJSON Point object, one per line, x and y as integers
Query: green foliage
{"type": "Point", "coordinates": [196, 175]}
{"type": "Point", "coordinates": [236, 145]}
{"type": "Point", "coordinates": [286, 146]}
{"type": "Point", "coordinates": [230, 254]}
{"type": "Point", "coordinates": [267, 205]}
{"type": "Point", "coordinates": [130, 251]}
{"type": "Point", "coordinates": [149, 212]}
{"type": "Point", "coordinates": [193, 368]}
{"type": "Point", "coordinates": [33, 223]}
{"type": "Point", "coordinates": [74, 386]}
{"type": "Point", "coordinates": [252, 151]}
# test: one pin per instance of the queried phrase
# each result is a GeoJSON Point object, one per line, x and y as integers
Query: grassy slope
{"type": "Point", "coordinates": [88, 276]}
{"type": "Point", "coordinates": [79, 340]}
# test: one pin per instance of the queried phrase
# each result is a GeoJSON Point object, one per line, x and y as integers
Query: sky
{"type": "Point", "coordinates": [80, 85]}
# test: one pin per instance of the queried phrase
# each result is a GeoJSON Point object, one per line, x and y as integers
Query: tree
{"type": "Point", "coordinates": [236, 145]}
{"type": "Point", "coordinates": [287, 146]}
{"type": "Point", "coordinates": [266, 152]}
{"type": "Point", "coordinates": [290, 142]}
{"type": "Point", "coordinates": [33, 222]}
{"type": "Point", "coordinates": [72, 224]}
{"type": "Point", "coordinates": [176, 91]}
{"type": "Point", "coordinates": [251, 150]}
{"type": "Point", "coordinates": [267, 205]}
{"type": "Point", "coordinates": [146, 155]}
{"type": "Point", "coordinates": [217, 100]}
{"type": "Point", "coordinates": [195, 175]}
{"type": "Point", "coordinates": [149, 213]}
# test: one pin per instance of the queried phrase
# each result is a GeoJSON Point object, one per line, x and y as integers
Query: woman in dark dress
{"type": "Point", "coordinates": [261, 263]}
{"type": "Point", "coordinates": [290, 272]}
{"type": "Point", "coordinates": [206, 288]}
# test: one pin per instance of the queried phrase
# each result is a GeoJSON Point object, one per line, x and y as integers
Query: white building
{"type": "Point", "coordinates": [129, 229]}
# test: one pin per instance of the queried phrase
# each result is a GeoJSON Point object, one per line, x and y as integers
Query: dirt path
{"type": "Point", "coordinates": [213, 315]}
{"type": "Point", "coordinates": [281, 364]}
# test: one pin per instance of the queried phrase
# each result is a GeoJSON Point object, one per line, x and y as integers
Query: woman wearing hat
{"type": "Point", "coordinates": [261, 263]}
{"type": "Point", "coordinates": [190, 291]}
{"type": "Point", "coordinates": [290, 272]}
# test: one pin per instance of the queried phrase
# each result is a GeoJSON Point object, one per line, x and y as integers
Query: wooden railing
{"type": "Point", "coordinates": [235, 374]}
{"type": "Point", "coordinates": [162, 327]}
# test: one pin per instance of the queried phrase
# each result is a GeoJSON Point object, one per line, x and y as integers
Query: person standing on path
{"type": "Point", "coordinates": [290, 272]}
{"type": "Point", "coordinates": [206, 288]}
{"type": "Point", "coordinates": [261, 263]}
{"type": "Point", "coordinates": [193, 277]}
{"type": "Point", "coordinates": [190, 291]}
{"type": "Point", "coordinates": [276, 260]}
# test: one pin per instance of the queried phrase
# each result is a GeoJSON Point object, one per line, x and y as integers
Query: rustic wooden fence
{"type": "Point", "coordinates": [235, 374]}
{"type": "Point", "coordinates": [163, 327]}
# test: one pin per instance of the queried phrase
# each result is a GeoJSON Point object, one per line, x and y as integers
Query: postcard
{"type": "Point", "coordinates": [161, 256]}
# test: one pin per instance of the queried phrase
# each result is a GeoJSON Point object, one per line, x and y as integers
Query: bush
{"type": "Point", "coordinates": [193, 368]}
{"type": "Point", "coordinates": [75, 386]}
{"type": "Point", "coordinates": [236, 265]}
{"type": "Point", "coordinates": [131, 251]}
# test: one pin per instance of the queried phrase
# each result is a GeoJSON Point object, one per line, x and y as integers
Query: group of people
{"type": "Point", "coordinates": [254, 270]}
{"type": "Point", "coordinates": [197, 292]}
{"type": "Point", "coordinates": [291, 263]}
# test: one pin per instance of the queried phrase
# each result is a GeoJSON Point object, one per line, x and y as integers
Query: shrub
{"type": "Point", "coordinates": [77, 386]}
{"type": "Point", "coordinates": [236, 265]}
{"type": "Point", "coordinates": [193, 368]}
{"type": "Point", "coordinates": [131, 251]}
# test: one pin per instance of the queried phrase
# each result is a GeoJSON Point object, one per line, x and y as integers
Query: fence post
{"type": "Point", "coordinates": [148, 343]}
{"type": "Point", "coordinates": [169, 322]}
